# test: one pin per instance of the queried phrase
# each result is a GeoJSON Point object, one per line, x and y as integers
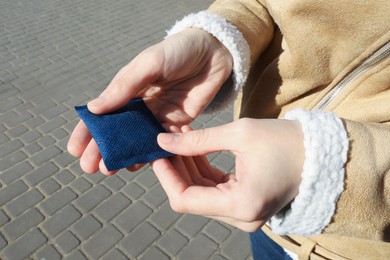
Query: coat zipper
{"type": "Point", "coordinates": [374, 59]}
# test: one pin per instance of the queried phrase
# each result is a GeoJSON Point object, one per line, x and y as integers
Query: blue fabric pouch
{"type": "Point", "coordinates": [127, 136]}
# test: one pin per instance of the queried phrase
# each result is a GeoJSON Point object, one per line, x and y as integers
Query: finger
{"type": "Point", "coordinates": [135, 167]}
{"type": "Point", "coordinates": [203, 165]}
{"type": "Point", "coordinates": [196, 177]}
{"type": "Point", "coordinates": [190, 199]}
{"type": "Point", "coordinates": [199, 167]}
{"type": "Point", "coordinates": [104, 169]}
{"type": "Point", "coordinates": [91, 157]}
{"type": "Point", "coordinates": [208, 171]}
{"type": "Point", "coordinates": [178, 162]}
{"type": "Point", "coordinates": [79, 139]}
{"type": "Point", "coordinates": [126, 84]}
{"type": "Point", "coordinates": [199, 142]}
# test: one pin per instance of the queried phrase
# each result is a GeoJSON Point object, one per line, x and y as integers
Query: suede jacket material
{"type": "Point", "coordinates": [330, 56]}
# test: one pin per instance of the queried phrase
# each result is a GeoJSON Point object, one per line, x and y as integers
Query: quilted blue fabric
{"type": "Point", "coordinates": [127, 136]}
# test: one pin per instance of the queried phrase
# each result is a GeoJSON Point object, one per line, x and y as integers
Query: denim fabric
{"type": "Point", "coordinates": [264, 248]}
{"type": "Point", "coordinates": [127, 136]}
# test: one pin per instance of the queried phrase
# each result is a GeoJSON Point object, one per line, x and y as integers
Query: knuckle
{"type": "Point", "coordinates": [176, 206]}
{"type": "Point", "coordinates": [200, 137]}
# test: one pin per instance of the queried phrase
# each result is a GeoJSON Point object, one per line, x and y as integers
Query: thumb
{"type": "Point", "coordinates": [126, 84]}
{"type": "Point", "coordinates": [199, 142]}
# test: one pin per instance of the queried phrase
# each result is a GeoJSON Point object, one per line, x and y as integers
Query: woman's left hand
{"type": "Point", "coordinates": [269, 161]}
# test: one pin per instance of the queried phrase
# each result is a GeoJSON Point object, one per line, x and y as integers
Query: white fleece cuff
{"type": "Point", "coordinates": [326, 146]}
{"type": "Point", "coordinates": [231, 38]}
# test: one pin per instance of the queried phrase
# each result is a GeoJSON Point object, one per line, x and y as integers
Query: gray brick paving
{"type": "Point", "coordinates": [58, 54]}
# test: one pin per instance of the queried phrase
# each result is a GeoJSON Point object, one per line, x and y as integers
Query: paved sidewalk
{"type": "Point", "coordinates": [55, 54]}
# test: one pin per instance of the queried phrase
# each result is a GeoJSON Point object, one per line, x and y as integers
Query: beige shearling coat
{"type": "Point", "coordinates": [300, 51]}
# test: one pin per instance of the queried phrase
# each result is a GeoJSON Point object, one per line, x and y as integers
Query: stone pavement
{"type": "Point", "coordinates": [55, 54]}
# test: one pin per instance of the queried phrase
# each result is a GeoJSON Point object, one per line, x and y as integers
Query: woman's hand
{"type": "Point", "coordinates": [177, 78]}
{"type": "Point", "coordinates": [269, 161]}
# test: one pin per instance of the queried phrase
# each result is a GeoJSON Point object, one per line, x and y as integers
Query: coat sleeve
{"type": "Point", "coordinates": [363, 209]}
{"type": "Point", "coordinates": [345, 188]}
{"type": "Point", "coordinates": [251, 18]}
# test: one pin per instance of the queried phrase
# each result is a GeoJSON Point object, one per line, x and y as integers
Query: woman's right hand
{"type": "Point", "coordinates": [177, 78]}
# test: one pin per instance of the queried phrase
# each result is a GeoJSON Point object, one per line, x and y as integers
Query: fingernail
{"type": "Point", "coordinates": [166, 138]}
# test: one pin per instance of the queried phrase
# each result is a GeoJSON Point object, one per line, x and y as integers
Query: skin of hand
{"type": "Point", "coordinates": [269, 161]}
{"type": "Point", "coordinates": [177, 78]}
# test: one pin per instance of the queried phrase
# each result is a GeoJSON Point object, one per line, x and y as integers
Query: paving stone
{"type": "Point", "coordinates": [7, 91]}
{"type": "Point", "coordinates": [12, 119]}
{"type": "Point", "coordinates": [153, 253]}
{"type": "Point", "coordinates": [34, 122]}
{"type": "Point", "coordinates": [86, 226]}
{"type": "Point", "coordinates": [32, 148]}
{"type": "Point", "coordinates": [224, 162]}
{"type": "Point", "coordinates": [12, 159]}
{"type": "Point", "coordinates": [95, 178]}
{"type": "Point", "coordinates": [114, 254]}
{"type": "Point", "coordinates": [10, 147]}
{"type": "Point", "coordinates": [236, 246]}
{"type": "Point", "coordinates": [112, 207]}
{"type": "Point", "coordinates": [20, 225]}
{"type": "Point", "coordinates": [133, 245]}
{"type": "Point", "coordinates": [132, 216]}
{"type": "Point", "coordinates": [30, 136]}
{"type": "Point", "coordinates": [147, 179]}
{"type": "Point", "coordinates": [42, 106]}
{"type": "Point", "coordinates": [51, 125]}
{"type": "Point", "coordinates": [8, 104]}
{"type": "Point", "coordinates": [26, 245]}
{"type": "Point", "coordinates": [3, 242]}
{"type": "Point", "coordinates": [64, 177]}
{"type": "Point", "coordinates": [190, 225]}
{"type": "Point", "coordinates": [103, 241]}
{"type": "Point", "coordinates": [61, 220]}
{"type": "Point", "coordinates": [15, 172]}
{"type": "Point", "coordinates": [191, 251]}
{"type": "Point", "coordinates": [76, 255]}
{"type": "Point", "coordinates": [12, 191]}
{"type": "Point", "coordinates": [114, 183]}
{"type": "Point", "coordinates": [54, 111]}
{"type": "Point", "coordinates": [164, 217]}
{"type": "Point", "coordinates": [217, 231]}
{"type": "Point", "coordinates": [46, 141]}
{"type": "Point", "coordinates": [66, 242]}
{"type": "Point", "coordinates": [217, 257]}
{"type": "Point", "coordinates": [49, 186]}
{"type": "Point", "coordinates": [155, 196]}
{"type": "Point", "coordinates": [46, 155]}
{"type": "Point", "coordinates": [57, 201]}
{"type": "Point", "coordinates": [48, 252]}
{"type": "Point", "coordinates": [4, 219]}
{"type": "Point", "coordinates": [80, 185]}
{"type": "Point", "coordinates": [24, 202]}
{"type": "Point", "coordinates": [172, 242]}
{"type": "Point", "coordinates": [42, 173]}
{"type": "Point", "coordinates": [3, 138]}
{"type": "Point", "coordinates": [92, 198]}
{"type": "Point", "coordinates": [59, 133]}
{"type": "Point", "coordinates": [133, 190]}
{"type": "Point", "coordinates": [17, 131]}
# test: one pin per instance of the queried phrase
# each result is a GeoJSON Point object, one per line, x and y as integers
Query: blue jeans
{"type": "Point", "coordinates": [265, 248]}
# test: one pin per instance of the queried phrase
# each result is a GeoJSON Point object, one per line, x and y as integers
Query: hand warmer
{"type": "Point", "coordinates": [127, 136]}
